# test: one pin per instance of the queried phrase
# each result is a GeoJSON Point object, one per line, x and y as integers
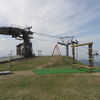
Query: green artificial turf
{"type": "Point", "coordinates": [60, 71]}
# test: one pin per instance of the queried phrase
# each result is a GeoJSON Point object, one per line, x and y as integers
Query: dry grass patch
{"type": "Point", "coordinates": [25, 85]}
{"type": "Point", "coordinates": [22, 86]}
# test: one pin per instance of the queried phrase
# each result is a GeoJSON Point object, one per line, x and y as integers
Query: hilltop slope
{"type": "Point", "coordinates": [25, 85]}
{"type": "Point", "coordinates": [39, 63]}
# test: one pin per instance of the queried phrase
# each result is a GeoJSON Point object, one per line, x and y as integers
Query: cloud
{"type": "Point", "coordinates": [7, 44]}
{"type": "Point", "coordinates": [89, 38]}
{"type": "Point", "coordinates": [54, 17]}
{"type": "Point", "coordinates": [3, 39]}
{"type": "Point", "coordinates": [0, 49]}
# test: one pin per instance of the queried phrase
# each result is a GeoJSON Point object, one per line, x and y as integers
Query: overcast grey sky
{"type": "Point", "coordinates": [79, 18]}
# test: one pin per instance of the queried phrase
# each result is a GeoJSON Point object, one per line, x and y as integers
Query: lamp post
{"type": "Point", "coordinates": [10, 57]}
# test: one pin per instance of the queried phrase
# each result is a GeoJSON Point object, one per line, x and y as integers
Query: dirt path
{"type": "Point", "coordinates": [24, 73]}
{"type": "Point", "coordinates": [17, 74]}
{"type": "Point", "coordinates": [96, 73]}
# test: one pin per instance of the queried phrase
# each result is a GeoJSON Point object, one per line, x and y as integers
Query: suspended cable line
{"type": "Point", "coordinates": [81, 50]}
{"type": "Point", "coordinates": [46, 35]}
{"type": "Point", "coordinates": [98, 58]}
{"type": "Point", "coordinates": [87, 48]}
{"type": "Point", "coordinates": [77, 53]}
{"type": "Point", "coordinates": [53, 36]}
{"type": "Point", "coordinates": [44, 40]}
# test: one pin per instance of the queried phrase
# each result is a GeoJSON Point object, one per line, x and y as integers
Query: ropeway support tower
{"type": "Point", "coordinates": [20, 34]}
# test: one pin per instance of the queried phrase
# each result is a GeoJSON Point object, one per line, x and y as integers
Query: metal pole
{"type": "Point", "coordinates": [67, 50]}
{"type": "Point", "coordinates": [10, 58]}
{"type": "Point", "coordinates": [76, 53]}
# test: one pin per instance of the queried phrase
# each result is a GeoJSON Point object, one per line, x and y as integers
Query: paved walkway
{"type": "Point", "coordinates": [6, 59]}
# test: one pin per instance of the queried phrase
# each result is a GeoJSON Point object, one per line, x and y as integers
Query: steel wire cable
{"type": "Point", "coordinates": [45, 40]}
{"type": "Point", "coordinates": [47, 35]}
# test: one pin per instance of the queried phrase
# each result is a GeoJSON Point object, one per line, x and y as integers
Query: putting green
{"type": "Point", "coordinates": [60, 71]}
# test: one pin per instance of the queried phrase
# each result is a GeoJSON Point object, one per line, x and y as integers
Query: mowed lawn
{"type": "Point", "coordinates": [78, 86]}
{"type": "Point", "coordinates": [25, 85]}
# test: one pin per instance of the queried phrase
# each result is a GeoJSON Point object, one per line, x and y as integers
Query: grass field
{"type": "Point", "coordinates": [39, 62]}
{"type": "Point", "coordinates": [23, 84]}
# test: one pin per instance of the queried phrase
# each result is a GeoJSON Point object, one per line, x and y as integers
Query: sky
{"type": "Point", "coordinates": [79, 18]}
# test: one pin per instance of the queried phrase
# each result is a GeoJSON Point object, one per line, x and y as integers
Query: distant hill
{"type": "Point", "coordinates": [86, 62]}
